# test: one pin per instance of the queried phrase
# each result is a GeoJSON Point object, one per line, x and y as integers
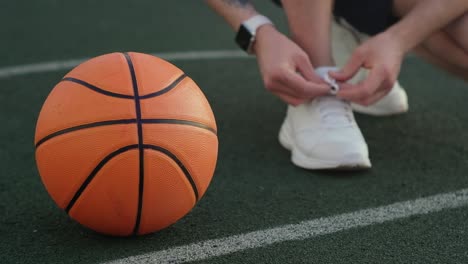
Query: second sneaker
{"type": "Point", "coordinates": [345, 40]}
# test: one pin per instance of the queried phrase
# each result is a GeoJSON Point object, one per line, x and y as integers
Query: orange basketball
{"type": "Point", "coordinates": [126, 144]}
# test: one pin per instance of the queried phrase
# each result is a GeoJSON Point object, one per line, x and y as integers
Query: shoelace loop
{"type": "Point", "coordinates": [335, 112]}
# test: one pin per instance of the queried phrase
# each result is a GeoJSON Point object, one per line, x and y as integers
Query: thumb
{"type": "Point", "coordinates": [305, 68]}
{"type": "Point", "coordinates": [350, 69]}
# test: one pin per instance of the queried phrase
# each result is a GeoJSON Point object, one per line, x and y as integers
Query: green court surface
{"type": "Point", "coordinates": [255, 186]}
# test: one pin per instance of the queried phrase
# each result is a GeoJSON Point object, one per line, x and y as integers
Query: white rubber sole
{"type": "Point", "coordinates": [301, 160]}
{"type": "Point", "coordinates": [375, 111]}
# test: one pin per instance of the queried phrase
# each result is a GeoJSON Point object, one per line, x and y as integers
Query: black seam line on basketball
{"type": "Point", "coordinates": [166, 89]}
{"type": "Point", "coordinates": [94, 172]}
{"type": "Point", "coordinates": [179, 163]}
{"type": "Point", "coordinates": [85, 126]}
{"type": "Point", "coordinates": [140, 142]}
{"type": "Point", "coordinates": [96, 89]}
{"type": "Point", "coordinates": [112, 155]}
{"type": "Point", "coordinates": [178, 122]}
{"type": "Point", "coordinates": [124, 121]}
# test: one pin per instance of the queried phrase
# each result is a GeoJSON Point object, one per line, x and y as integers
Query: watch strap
{"type": "Point", "coordinates": [253, 23]}
{"type": "Point", "coordinates": [246, 34]}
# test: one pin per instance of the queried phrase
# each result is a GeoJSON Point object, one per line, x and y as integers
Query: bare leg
{"type": "Point", "coordinates": [441, 50]}
{"type": "Point", "coordinates": [458, 30]}
{"type": "Point", "coordinates": [310, 25]}
{"type": "Point", "coordinates": [447, 48]}
{"type": "Point", "coordinates": [429, 57]}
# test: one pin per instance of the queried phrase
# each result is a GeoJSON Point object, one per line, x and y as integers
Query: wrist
{"type": "Point", "coordinates": [248, 32]}
{"type": "Point", "coordinates": [402, 38]}
{"type": "Point", "coordinates": [263, 32]}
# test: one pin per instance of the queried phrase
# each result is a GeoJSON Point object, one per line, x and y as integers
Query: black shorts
{"type": "Point", "coordinates": [368, 16]}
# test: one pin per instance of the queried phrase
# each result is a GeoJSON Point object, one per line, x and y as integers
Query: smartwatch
{"type": "Point", "coordinates": [245, 36]}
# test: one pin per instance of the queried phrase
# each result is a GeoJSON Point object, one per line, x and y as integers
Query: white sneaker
{"type": "Point", "coordinates": [395, 102]}
{"type": "Point", "coordinates": [345, 40]}
{"type": "Point", "coordinates": [323, 134]}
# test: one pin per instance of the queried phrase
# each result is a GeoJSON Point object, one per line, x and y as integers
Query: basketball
{"type": "Point", "coordinates": [126, 144]}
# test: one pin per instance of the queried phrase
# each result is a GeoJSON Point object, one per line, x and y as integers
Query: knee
{"type": "Point", "coordinates": [458, 30]}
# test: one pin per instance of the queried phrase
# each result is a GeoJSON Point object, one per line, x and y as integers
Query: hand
{"type": "Point", "coordinates": [286, 69]}
{"type": "Point", "coordinates": [382, 56]}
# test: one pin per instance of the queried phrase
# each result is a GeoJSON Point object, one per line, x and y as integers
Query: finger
{"type": "Point", "coordinates": [350, 69]}
{"type": "Point", "coordinates": [364, 89]}
{"type": "Point", "coordinates": [302, 88]}
{"type": "Point", "coordinates": [287, 94]}
{"type": "Point", "coordinates": [305, 68]}
{"type": "Point", "coordinates": [374, 98]}
{"type": "Point", "coordinates": [350, 92]}
{"type": "Point", "coordinates": [291, 100]}
{"type": "Point", "coordinates": [383, 90]}
{"type": "Point", "coordinates": [280, 88]}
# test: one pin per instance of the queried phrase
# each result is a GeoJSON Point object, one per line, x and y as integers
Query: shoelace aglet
{"type": "Point", "coordinates": [334, 87]}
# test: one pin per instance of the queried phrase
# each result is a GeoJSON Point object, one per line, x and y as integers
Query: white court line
{"type": "Point", "coordinates": [51, 66]}
{"type": "Point", "coordinates": [303, 230]}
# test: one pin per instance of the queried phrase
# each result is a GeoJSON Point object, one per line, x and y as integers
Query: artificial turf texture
{"type": "Point", "coordinates": [255, 186]}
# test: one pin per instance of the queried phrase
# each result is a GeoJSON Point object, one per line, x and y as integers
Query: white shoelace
{"type": "Point", "coordinates": [323, 73]}
{"type": "Point", "coordinates": [334, 112]}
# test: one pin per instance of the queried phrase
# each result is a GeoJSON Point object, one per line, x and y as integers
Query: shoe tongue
{"type": "Point", "coordinates": [334, 112]}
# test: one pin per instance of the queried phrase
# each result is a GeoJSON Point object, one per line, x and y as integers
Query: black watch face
{"type": "Point", "coordinates": [243, 38]}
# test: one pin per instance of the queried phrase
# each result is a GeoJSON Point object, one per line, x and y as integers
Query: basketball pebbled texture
{"type": "Point", "coordinates": [126, 144]}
